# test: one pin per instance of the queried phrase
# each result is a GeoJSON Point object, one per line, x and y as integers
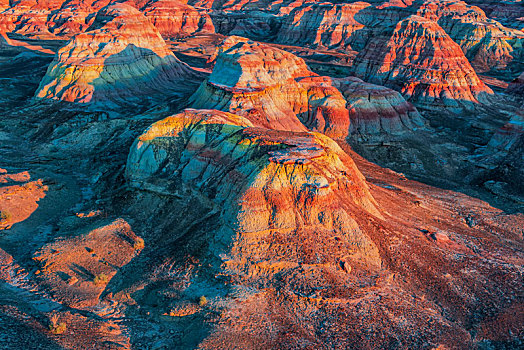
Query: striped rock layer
{"type": "Point", "coordinates": [420, 60]}
{"type": "Point", "coordinates": [118, 60]}
{"type": "Point", "coordinates": [48, 19]}
{"type": "Point", "coordinates": [324, 25]}
{"type": "Point", "coordinates": [176, 19]}
{"type": "Point", "coordinates": [377, 110]}
{"type": "Point", "coordinates": [66, 18]}
{"type": "Point", "coordinates": [272, 88]}
{"type": "Point", "coordinates": [261, 181]}
{"type": "Point", "coordinates": [485, 42]}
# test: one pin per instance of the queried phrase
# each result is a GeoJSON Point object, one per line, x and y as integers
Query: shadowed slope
{"type": "Point", "coordinates": [176, 19]}
{"type": "Point", "coordinates": [273, 89]}
{"type": "Point", "coordinates": [420, 60]}
{"type": "Point", "coordinates": [119, 60]}
{"type": "Point", "coordinates": [485, 42]}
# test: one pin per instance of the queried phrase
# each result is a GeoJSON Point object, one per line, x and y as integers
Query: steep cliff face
{"type": "Point", "coordinates": [324, 25]}
{"type": "Point", "coordinates": [485, 42]}
{"type": "Point", "coordinates": [176, 19]}
{"type": "Point", "coordinates": [377, 110]}
{"type": "Point", "coordinates": [420, 60]}
{"type": "Point", "coordinates": [28, 16]}
{"type": "Point", "coordinates": [120, 58]}
{"type": "Point", "coordinates": [48, 19]}
{"type": "Point", "coordinates": [273, 89]}
{"type": "Point", "coordinates": [65, 18]}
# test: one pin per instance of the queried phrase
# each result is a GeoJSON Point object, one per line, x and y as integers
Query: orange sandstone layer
{"type": "Point", "coordinates": [119, 60]}
{"type": "Point", "coordinates": [420, 60]}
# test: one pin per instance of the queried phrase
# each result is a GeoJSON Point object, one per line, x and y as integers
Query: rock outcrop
{"type": "Point", "coordinates": [27, 17]}
{"type": "Point", "coordinates": [49, 19]}
{"type": "Point", "coordinates": [68, 267]}
{"type": "Point", "coordinates": [324, 25]}
{"type": "Point", "coordinates": [420, 60]}
{"type": "Point", "coordinates": [261, 180]}
{"type": "Point", "coordinates": [66, 18]}
{"type": "Point", "coordinates": [508, 12]}
{"type": "Point", "coordinates": [272, 88]}
{"type": "Point", "coordinates": [485, 42]}
{"type": "Point", "coordinates": [19, 197]}
{"type": "Point", "coordinates": [177, 19]}
{"type": "Point", "coordinates": [117, 61]}
{"type": "Point", "coordinates": [74, 17]}
{"type": "Point", "coordinates": [377, 110]}
{"type": "Point", "coordinates": [504, 157]}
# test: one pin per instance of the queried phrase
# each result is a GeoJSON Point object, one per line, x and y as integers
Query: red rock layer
{"type": "Point", "coordinates": [265, 181]}
{"type": "Point", "coordinates": [424, 63]}
{"type": "Point", "coordinates": [485, 42]}
{"type": "Point", "coordinates": [173, 18]}
{"type": "Point", "coordinates": [74, 16]}
{"type": "Point", "coordinates": [177, 19]}
{"type": "Point", "coordinates": [285, 231]}
{"type": "Point", "coordinates": [4, 4]}
{"type": "Point", "coordinates": [27, 16]}
{"type": "Point", "coordinates": [272, 88]}
{"type": "Point", "coordinates": [377, 110]}
{"type": "Point", "coordinates": [509, 12]}
{"type": "Point", "coordinates": [121, 58]}
{"type": "Point", "coordinates": [46, 19]}
{"type": "Point", "coordinates": [323, 25]}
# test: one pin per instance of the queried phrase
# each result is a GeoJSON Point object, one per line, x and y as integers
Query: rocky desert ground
{"type": "Point", "coordinates": [255, 174]}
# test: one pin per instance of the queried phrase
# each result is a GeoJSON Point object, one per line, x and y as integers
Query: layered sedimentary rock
{"type": "Point", "coordinates": [261, 181]}
{"type": "Point", "coordinates": [47, 19]}
{"type": "Point", "coordinates": [174, 19]}
{"type": "Point", "coordinates": [504, 156]}
{"type": "Point", "coordinates": [485, 42]}
{"type": "Point", "coordinates": [246, 5]}
{"type": "Point", "coordinates": [273, 89]}
{"type": "Point", "coordinates": [324, 25]}
{"type": "Point", "coordinates": [121, 58]}
{"type": "Point", "coordinates": [424, 63]}
{"type": "Point", "coordinates": [28, 17]}
{"type": "Point", "coordinates": [508, 12]}
{"type": "Point", "coordinates": [177, 19]}
{"type": "Point", "coordinates": [376, 110]}
{"type": "Point", "coordinates": [74, 17]}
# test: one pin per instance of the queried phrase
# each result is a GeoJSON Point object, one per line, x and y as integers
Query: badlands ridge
{"type": "Point", "coordinates": [261, 175]}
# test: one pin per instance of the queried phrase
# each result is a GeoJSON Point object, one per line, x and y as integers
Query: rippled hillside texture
{"type": "Point", "coordinates": [256, 174]}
